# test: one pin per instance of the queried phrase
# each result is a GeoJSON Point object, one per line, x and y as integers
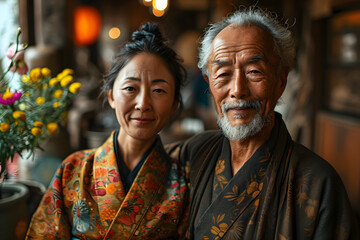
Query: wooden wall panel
{"type": "Point", "coordinates": [337, 140]}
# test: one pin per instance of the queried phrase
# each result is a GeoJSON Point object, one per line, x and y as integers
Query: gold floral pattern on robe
{"type": "Point", "coordinates": [284, 191]}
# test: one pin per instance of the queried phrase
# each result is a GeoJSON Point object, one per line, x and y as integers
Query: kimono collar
{"type": "Point", "coordinates": [127, 176]}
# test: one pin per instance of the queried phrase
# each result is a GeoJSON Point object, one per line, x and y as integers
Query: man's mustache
{"type": "Point", "coordinates": [255, 104]}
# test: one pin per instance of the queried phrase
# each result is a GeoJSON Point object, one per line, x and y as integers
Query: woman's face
{"type": "Point", "coordinates": [143, 96]}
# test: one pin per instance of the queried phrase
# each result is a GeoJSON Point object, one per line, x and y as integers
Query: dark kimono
{"type": "Point", "coordinates": [87, 200]}
{"type": "Point", "coordinates": [284, 191]}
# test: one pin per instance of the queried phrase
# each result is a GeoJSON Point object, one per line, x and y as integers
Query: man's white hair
{"type": "Point", "coordinates": [283, 42]}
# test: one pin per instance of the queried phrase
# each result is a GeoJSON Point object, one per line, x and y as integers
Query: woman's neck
{"type": "Point", "coordinates": [132, 149]}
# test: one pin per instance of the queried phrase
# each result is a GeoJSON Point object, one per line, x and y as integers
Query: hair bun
{"type": "Point", "coordinates": [148, 32]}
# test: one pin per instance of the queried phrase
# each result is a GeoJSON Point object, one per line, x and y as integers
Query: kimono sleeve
{"type": "Point", "coordinates": [49, 220]}
{"type": "Point", "coordinates": [323, 207]}
{"type": "Point", "coordinates": [336, 218]}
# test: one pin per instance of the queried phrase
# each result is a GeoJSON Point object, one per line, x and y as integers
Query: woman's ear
{"type": "Point", "coordinates": [110, 99]}
{"type": "Point", "coordinates": [175, 106]}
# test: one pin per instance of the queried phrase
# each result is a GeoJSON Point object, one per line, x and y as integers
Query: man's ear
{"type": "Point", "coordinates": [206, 78]}
{"type": "Point", "coordinates": [282, 82]}
{"type": "Point", "coordinates": [110, 99]}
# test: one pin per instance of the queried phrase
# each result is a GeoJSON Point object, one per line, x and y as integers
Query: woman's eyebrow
{"type": "Point", "coordinates": [159, 81]}
{"type": "Point", "coordinates": [133, 78]}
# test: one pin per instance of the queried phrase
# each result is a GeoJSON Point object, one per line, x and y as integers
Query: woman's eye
{"type": "Point", "coordinates": [159, 90]}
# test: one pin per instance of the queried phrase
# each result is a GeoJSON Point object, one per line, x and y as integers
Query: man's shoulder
{"type": "Point", "coordinates": [194, 145]}
{"type": "Point", "coordinates": [307, 160]}
{"type": "Point", "coordinates": [204, 137]}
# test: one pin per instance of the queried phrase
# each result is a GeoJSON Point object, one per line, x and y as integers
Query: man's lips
{"type": "Point", "coordinates": [240, 109]}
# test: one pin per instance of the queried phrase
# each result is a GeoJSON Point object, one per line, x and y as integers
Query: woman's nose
{"type": "Point", "coordinates": [143, 101]}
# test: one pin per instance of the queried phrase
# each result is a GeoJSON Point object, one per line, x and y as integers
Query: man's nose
{"type": "Point", "coordinates": [143, 101]}
{"type": "Point", "coordinates": [240, 88]}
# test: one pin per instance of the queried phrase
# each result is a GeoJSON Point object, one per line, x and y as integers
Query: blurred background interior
{"type": "Point", "coordinates": [321, 104]}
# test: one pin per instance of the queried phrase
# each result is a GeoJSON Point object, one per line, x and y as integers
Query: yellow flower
{"type": "Point", "coordinates": [53, 82]}
{"type": "Point", "coordinates": [74, 87]}
{"type": "Point", "coordinates": [52, 128]}
{"type": "Point", "coordinates": [19, 115]}
{"type": "Point", "coordinates": [4, 127]}
{"type": "Point", "coordinates": [58, 94]}
{"type": "Point", "coordinates": [60, 76]}
{"type": "Point", "coordinates": [46, 72]}
{"type": "Point", "coordinates": [35, 74]}
{"type": "Point", "coordinates": [56, 105]}
{"type": "Point", "coordinates": [38, 124]}
{"type": "Point", "coordinates": [36, 131]}
{"type": "Point", "coordinates": [25, 78]}
{"type": "Point", "coordinates": [40, 100]}
{"type": "Point", "coordinates": [67, 71]}
{"type": "Point", "coordinates": [7, 95]}
{"type": "Point", "coordinates": [66, 80]}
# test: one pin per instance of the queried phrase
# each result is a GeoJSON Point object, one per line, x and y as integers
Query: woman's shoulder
{"type": "Point", "coordinates": [76, 158]}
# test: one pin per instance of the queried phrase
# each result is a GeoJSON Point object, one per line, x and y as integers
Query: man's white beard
{"type": "Point", "coordinates": [243, 131]}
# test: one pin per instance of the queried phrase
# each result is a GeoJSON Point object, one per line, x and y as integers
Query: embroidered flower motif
{"type": "Point", "coordinates": [219, 227]}
{"type": "Point", "coordinates": [81, 219]}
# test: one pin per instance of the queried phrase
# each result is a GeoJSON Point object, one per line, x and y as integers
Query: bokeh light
{"type": "Point", "coordinates": [114, 33]}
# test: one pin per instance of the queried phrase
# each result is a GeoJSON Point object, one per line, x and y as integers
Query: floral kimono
{"type": "Point", "coordinates": [86, 199]}
{"type": "Point", "coordinates": [284, 191]}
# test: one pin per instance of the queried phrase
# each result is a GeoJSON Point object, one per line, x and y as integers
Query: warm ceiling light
{"type": "Point", "coordinates": [147, 2]}
{"type": "Point", "coordinates": [160, 5]}
{"type": "Point", "coordinates": [87, 25]}
{"type": "Point", "coordinates": [157, 12]}
{"type": "Point", "coordinates": [114, 33]}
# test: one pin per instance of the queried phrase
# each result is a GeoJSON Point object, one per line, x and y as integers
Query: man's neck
{"type": "Point", "coordinates": [241, 151]}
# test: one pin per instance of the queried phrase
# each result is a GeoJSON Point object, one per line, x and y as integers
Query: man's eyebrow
{"type": "Point", "coordinates": [220, 63]}
{"type": "Point", "coordinates": [257, 58]}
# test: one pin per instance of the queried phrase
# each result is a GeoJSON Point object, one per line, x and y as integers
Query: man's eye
{"type": "Point", "coordinates": [254, 71]}
{"type": "Point", "coordinates": [130, 89]}
{"type": "Point", "coordinates": [223, 75]}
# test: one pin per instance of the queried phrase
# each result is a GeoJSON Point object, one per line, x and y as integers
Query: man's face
{"type": "Point", "coordinates": [244, 67]}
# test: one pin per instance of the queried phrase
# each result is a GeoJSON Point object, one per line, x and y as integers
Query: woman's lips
{"type": "Point", "coordinates": [142, 120]}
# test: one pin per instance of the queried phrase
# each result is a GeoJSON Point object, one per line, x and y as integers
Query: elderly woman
{"type": "Point", "coordinates": [128, 188]}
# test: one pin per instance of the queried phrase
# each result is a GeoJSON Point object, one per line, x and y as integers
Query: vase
{"type": "Point", "coordinates": [14, 215]}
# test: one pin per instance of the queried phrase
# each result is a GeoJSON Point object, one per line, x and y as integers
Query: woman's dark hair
{"type": "Point", "coordinates": [149, 40]}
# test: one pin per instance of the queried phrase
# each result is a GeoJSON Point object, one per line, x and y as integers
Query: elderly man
{"type": "Point", "coordinates": [251, 180]}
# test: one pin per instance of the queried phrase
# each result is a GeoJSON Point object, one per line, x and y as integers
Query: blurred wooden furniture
{"type": "Point", "coordinates": [337, 140]}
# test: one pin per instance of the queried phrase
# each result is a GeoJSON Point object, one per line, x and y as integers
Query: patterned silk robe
{"type": "Point", "coordinates": [86, 199]}
{"type": "Point", "coordinates": [284, 191]}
